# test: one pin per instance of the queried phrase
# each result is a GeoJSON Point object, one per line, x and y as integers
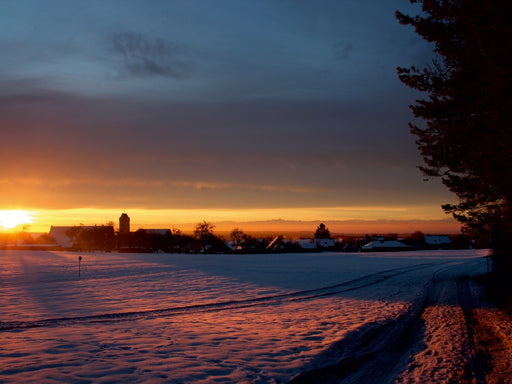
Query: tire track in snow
{"type": "Point", "coordinates": [347, 286]}
{"type": "Point", "coordinates": [379, 352]}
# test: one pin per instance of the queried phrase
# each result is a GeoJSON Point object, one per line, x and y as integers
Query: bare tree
{"type": "Point", "coordinates": [237, 236]}
{"type": "Point", "coordinates": [204, 233]}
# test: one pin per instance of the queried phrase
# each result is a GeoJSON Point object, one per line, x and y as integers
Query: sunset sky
{"type": "Point", "coordinates": [229, 111]}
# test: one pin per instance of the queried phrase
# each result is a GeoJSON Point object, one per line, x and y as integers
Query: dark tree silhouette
{"type": "Point", "coordinates": [467, 138]}
{"type": "Point", "coordinates": [416, 239]}
{"type": "Point", "coordinates": [237, 236]}
{"type": "Point", "coordinates": [92, 238]}
{"type": "Point", "coordinates": [243, 241]}
{"type": "Point", "coordinates": [204, 233]}
{"type": "Point", "coordinates": [322, 232]}
{"type": "Point", "coordinates": [45, 238]}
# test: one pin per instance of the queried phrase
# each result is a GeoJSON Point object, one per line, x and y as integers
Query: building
{"type": "Point", "coordinates": [89, 238]}
{"type": "Point", "coordinates": [307, 243]}
{"type": "Point", "coordinates": [317, 243]}
{"type": "Point", "coordinates": [65, 236]}
{"type": "Point", "coordinates": [385, 246]}
{"type": "Point", "coordinates": [437, 241]}
{"type": "Point", "coordinates": [325, 243]}
{"type": "Point", "coordinates": [124, 224]}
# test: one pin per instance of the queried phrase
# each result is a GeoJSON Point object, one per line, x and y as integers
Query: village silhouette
{"type": "Point", "coordinates": [105, 238]}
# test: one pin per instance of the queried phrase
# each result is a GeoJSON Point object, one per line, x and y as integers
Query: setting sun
{"type": "Point", "coordinates": [12, 218]}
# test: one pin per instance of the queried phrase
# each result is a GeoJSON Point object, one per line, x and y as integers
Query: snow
{"type": "Point", "coordinates": [376, 244]}
{"type": "Point", "coordinates": [219, 318]}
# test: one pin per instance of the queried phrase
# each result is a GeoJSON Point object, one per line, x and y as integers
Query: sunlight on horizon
{"type": "Point", "coordinates": [288, 219]}
{"type": "Point", "coordinates": [12, 218]}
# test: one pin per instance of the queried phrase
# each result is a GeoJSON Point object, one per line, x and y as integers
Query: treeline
{"type": "Point", "coordinates": [204, 240]}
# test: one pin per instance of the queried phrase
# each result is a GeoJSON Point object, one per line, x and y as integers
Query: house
{"type": "Point", "coordinates": [437, 241]}
{"type": "Point", "coordinates": [275, 244]}
{"type": "Point", "coordinates": [317, 243]}
{"type": "Point", "coordinates": [84, 237]}
{"type": "Point", "coordinates": [307, 243]}
{"type": "Point", "coordinates": [385, 246]}
{"type": "Point", "coordinates": [325, 243]}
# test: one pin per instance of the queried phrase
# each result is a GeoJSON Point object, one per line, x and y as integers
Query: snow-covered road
{"type": "Point", "coordinates": [224, 318]}
{"type": "Point", "coordinates": [450, 335]}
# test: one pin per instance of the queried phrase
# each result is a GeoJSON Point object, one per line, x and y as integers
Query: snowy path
{"type": "Point", "coordinates": [451, 336]}
{"type": "Point", "coordinates": [241, 318]}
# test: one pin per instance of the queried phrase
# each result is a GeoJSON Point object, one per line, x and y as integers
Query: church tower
{"type": "Point", "coordinates": [124, 224]}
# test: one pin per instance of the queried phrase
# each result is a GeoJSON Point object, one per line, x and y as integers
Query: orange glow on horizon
{"type": "Point", "coordinates": [349, 220]}
{"type": "Point", "coordinates": [12, 218]}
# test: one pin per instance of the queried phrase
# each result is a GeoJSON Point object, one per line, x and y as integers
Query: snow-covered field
{"type": "Point", "coordinates": [202, 318]}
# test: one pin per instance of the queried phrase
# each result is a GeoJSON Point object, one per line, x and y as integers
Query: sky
{"type": "Point", "coordinates": [227, 110]}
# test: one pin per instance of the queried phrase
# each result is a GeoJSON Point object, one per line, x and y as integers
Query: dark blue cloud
{"type": "Point", "coordinates": [289, 95]}
{"type": "Point", "coordinates": [150, 56]}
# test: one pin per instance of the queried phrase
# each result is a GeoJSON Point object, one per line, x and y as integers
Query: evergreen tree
{"type": "Point", "coordinates": [322, 232]}
{"type": "Point", "coordinates": [467, 138]}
